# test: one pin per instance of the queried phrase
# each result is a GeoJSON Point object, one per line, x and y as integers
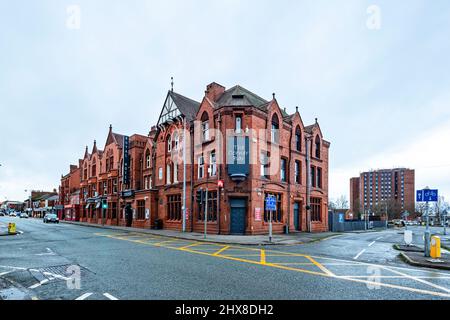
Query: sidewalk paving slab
{"type": "Point", "coordinates": [256, 240]}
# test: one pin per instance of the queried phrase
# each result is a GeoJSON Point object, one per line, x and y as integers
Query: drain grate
{"type": "Point", "coordinates": [63, 270]}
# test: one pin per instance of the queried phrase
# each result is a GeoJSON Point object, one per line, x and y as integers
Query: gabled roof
{"type": "Point", "coordinates": [87, 155]}
{"type": "Point", "coordinates": [239, 96]}
{"type": "Point", "coordinates": [114, 138]}
{"type": "Point", "coordinates": [310, 129]}
{"type": "Point", "coordinates": [176, 105]}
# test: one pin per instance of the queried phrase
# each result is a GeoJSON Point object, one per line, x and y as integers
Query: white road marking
{"type": "Point", "coordinates": [372, 243]}
{"type": "Point", "coordinates": [84, 296]}
{"type": "Point", "coordinates": [11, 267]}
{"type": "Point", "coordinates": [359, 254]}
{"type": "Point", "coordinates": [48, 253]}
{"type": "Point", "coordinates": [417, 279]}
{"type": "Point", "coordinates": [109, 296]}
{"type": "Point", "coordinates": [34, 286]}
{"type": "Point", "coordinates": [379, 238]}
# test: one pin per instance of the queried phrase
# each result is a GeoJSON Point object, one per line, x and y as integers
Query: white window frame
{"type": "Point", "coordinates": [283, 171]}
{"type": "Point", "coordinates": [297, 172]}
{"type": "Point", "coordinates": [177, 141]}
{"type": "Point", "coordinates": [168, 174]}
{"type": "Point", "coordinates": [205, 130]}
{"type": "Point", "coordinates": [169, 144]}
{"type": "Point", "coordinates": [238, 124]}
{"type": "Point", "coordinates": [175, 172]}
{"type": "Point", "coordinates": [148, 161]}
{"type": "Point", "coordinates": [201, 167]}
{"type": "Point", "coordinates": [212, 164]}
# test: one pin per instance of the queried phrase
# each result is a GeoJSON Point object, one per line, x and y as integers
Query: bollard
{"type": "Point", "coordinates": [435, 249]}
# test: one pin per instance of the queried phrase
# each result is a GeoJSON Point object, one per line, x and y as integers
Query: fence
{"type": "Point", "coordinates": [337, 223]}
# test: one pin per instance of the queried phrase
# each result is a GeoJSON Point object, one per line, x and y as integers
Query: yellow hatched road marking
{"type": "Point", "coordinates": [325, 273]}
{"type": "Point", "coordinates": [263, 256]}
{"type": "Point", "coordinates": [161, 244]}
{"type": "Point", "coordinates": [190, 246]}
{"type": "Point", "coordinates": [321, 267]}
{"type": "Point", "coordinates": [220, 250]}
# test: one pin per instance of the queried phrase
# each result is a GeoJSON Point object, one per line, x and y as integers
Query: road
{"type": "Point", "coordinates": [125, 265]}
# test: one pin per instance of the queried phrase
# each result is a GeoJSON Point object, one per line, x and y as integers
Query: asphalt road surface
{"type": "Point", "coordinates": [64, 261]}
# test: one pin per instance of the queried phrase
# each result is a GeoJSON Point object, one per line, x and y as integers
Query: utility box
{"type": "Point", "coordinates": [435, 248]}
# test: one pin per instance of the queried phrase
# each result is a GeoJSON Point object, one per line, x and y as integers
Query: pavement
{"type": "Point", "coordinates": [257, 240]}
{"type": "Point", "coordinates": [71, 262]}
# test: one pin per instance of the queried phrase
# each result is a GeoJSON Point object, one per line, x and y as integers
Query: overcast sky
{"type": "Point", "coordinates": [379, 84]}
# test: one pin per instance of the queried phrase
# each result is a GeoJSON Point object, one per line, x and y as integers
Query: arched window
{"type": "Point", "coordinates": [298, 139]}
{"type": "Point", "coordinates": [147, 159]}
{"type": "Point", "coordinates": [205, 126]}
{"type": "Point", "coordinates": [169, 143]}
{"type": "Point", "coordinates": [317, 147]}
{"type": "Point", "coordinates": [274, 132]}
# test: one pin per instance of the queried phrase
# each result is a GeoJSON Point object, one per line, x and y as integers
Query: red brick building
{"type": "Point", "coordinates": [235, 144]}
{"type": "Point", "coordinates": [69, 194]}
{"type": "Point", "coordinates": [384, 191]}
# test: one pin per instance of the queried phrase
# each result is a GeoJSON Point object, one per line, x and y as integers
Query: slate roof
{"type": "Point", "coordinates": [118, 138]}
{"type": "Point", "coordinates": [187, 107]}
{"type": "Point", "coordinates": [239, 96]}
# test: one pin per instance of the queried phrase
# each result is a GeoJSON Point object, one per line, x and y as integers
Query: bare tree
{"type": "Point", "coordinates": [342, 202]}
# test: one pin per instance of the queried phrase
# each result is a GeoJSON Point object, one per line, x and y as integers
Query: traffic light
{"type": "Point", "coordinates": [199, 196]}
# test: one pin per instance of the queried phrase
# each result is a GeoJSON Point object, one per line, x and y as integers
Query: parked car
{"type": "Point", "coordinates": [398, 223]}
{"type": "Point", "coordinates": [2, 214]}
{"type": "Point", "coordinates": [12, 214]}
{"type": "Point", "coordinates": [23, 215]}
{"type": "Point", "coordinates": [51, 217]}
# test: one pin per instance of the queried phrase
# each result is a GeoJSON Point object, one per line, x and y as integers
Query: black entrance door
{"type": "Point", "coordinates": [238, 214]}
{"type": "Point", "coordinates": [297, 216]}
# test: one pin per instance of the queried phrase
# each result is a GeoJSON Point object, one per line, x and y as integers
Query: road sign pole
{"type": "Point", "coordinates": [427, 233]}
{"type": "Point", "coordinates": [270, 226]}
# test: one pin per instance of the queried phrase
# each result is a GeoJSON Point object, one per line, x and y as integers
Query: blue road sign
{"type": "Point", "coordinates": [271, 204]}
{"type": "Point", "coordinates": [427, 195]}
{"type": "Point", "coordinates": [419, 196]}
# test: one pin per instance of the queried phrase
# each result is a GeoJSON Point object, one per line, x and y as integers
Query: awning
{"type": "Point", "coordinates": [87, 206]}
{"type": "Point", "coordinates": [99, 204]}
